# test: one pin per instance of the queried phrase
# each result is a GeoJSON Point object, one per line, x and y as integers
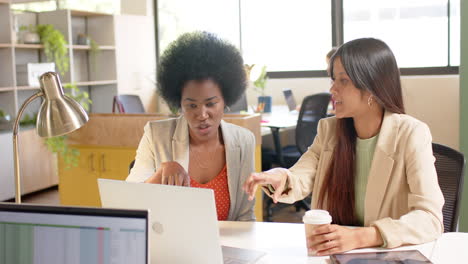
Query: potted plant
{"type": "Point", "coordinates": [258, 76]}
{"type": "Point", "coordinates": [55, 46]}
{"type": "Point", "coordinates": [29, 35]}
{"type": "Point", "coordinates": [28, 120]}
{"type": "Point", "coordinates": [82, 39]}
{"type": "Point", "coordinates": [4, 120]}
{"type": "Point", "coordinates": [4, 117]}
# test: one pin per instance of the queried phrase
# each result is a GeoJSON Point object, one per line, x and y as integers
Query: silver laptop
{"type": "Point", "coordinates": [56, 234]}
{"type": "Point", "coordinates": [184, 225]}
{"type": "Point", "coordinates": [290, 100]}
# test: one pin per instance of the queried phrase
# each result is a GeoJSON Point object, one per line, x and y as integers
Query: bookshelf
{"type": "Point", "coordinates": [94, 73]}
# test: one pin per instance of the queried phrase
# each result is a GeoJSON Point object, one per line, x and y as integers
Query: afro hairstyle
{"type": "Point", "coordinates": [201, 56]}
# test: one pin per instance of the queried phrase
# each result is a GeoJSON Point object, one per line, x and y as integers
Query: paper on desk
{"type": "Point", "coordinates": [451, 248]}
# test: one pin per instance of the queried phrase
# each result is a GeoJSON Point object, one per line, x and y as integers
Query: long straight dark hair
{"type": "Point", "coordinates": [371, 66]}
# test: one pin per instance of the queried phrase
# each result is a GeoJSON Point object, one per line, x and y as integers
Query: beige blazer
{"type": "Point", "coordinates": [403, 197]}
{"type": "Point", "coordinates": [168, 140]}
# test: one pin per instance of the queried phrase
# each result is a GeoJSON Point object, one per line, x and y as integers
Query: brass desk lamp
{"type": "Point", "coordinates": [58, 115]}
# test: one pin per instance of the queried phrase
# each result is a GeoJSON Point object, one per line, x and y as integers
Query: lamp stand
{"type": "Point", "coordinates": [15, 145]}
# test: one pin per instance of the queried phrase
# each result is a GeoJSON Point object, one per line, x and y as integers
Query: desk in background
{"type": "Point", "coordinates": [279, 119]}
{"type": "Point", "coordinates": [285, 243]}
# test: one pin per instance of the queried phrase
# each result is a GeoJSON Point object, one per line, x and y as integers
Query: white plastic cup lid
{"type": "Point", "coordinates": [317, 217]}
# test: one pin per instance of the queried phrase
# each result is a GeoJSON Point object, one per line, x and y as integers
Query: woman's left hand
{"type": "Point", "coordinates": [331, 239]}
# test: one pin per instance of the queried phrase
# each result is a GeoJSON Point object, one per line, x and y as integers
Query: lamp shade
{"type": "Point", "coordinates": [58, 114]}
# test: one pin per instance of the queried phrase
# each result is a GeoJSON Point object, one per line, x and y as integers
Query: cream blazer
{"type": "Point", "coordinates": [403, 198]}
{"type": "Point", "coordinates": [168, 140]}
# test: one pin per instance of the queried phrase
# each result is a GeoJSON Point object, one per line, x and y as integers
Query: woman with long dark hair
{"type": "Point", "coordinates": [370, 166]}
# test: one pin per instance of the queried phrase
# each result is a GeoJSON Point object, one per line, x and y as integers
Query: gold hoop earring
{"type": "Point", "coordinates": [369, 101]}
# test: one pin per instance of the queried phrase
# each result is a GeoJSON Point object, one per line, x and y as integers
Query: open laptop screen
{"type": "Point", "coordinates": [73, 235]}
{"type": "Point", "coordinates": [290, 101]}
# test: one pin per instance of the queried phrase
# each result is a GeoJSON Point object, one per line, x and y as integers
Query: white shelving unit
{"type": "Point", "coordinates": [96, 74]}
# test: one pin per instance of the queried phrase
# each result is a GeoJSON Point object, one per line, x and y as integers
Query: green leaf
{"type": "Point", "coordinates": [28, 120]}
{"type": "Point", "coordinates": [55, 46]}
{"type": "Point", "coordinates": [260, 83]}
{"type": "Point", "coordinates": [59, 145]}
{"type": "Point", "coordinates": [82, 97]}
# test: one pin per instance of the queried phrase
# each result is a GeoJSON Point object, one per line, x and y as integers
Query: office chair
{"type": "Point", "coordinates": [313, 108]}
{"type": "Point", "coordinates": [450, 167]}
{"type": "Point", "coordinates": [127, 103]}
{"type": "Point", "coordinates": [240, 105]}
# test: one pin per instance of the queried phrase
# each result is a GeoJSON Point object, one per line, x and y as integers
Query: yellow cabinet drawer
{"type": "Point", "coordinates": [78, 185]}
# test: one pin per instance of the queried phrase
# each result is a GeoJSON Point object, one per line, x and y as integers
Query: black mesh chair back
{"type": "Point", "coordinates": [240, 105]}
{"type": "Point", "coordinates": [313, 108]}
{"type": "Point", "coordinates": [450, 167]}
{"type": "Point", "coordinates": [128, 103]}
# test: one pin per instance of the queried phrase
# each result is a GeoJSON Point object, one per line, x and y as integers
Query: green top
{"type": "Point", "coordinates": [364, 154]}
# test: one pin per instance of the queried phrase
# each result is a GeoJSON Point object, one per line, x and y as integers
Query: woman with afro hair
{"type": "Point", "coordinates": [201, 75]}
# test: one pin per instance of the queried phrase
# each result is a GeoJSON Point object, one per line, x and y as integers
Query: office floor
{"type": "Point", "coordinates": [281, 212]}
{"type": "Point", "coordinates": [286, 213]}
{"type": "Point", "coordinates": [48, 196]}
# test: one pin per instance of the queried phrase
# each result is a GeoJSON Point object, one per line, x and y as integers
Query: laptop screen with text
{"type": "Point", "coordinates": [55, 235]}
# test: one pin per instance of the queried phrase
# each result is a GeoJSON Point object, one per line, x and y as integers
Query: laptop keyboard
{"type": "Point", "coordinates": [234, 261]}
{"type": "Point", "coordinates": [233, 255]}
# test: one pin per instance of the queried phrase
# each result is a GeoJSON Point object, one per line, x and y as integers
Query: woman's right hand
{"type": "Point", "coordinates": [170, 173]}
{"type": "Point", "coordinates": [276, 177]}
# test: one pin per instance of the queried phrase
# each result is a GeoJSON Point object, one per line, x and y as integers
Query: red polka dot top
{"type": "Point", "coordinates": [221, 192]}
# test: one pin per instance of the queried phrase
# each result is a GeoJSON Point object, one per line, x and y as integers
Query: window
{"type": "Point", "coordinates": [417, 31]}
{"type": "Point", "coordinates": [454, 33]}
{"type": "Point", "coordinates": [286, 35]}
{"type": "Point", "coordinates": [103, 6]}
{"type": "Point", "coordinates": [176, 17]}
{"type": "Point", "coordinates": [293, 37]}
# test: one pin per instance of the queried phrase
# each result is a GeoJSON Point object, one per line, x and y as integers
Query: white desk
{"type": "Point", "coordinates": [280, 117]}
{"type": "Point", "coordinates": [285, 243]}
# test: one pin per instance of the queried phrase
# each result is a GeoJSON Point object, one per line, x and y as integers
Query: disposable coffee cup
{"type": "Point", "coordinates": [312, 219]}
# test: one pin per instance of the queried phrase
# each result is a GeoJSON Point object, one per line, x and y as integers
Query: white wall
{"type": "Point", "coordinates": [136, 57]}
{"type": "Point", "coordinates": [137, 7]}
{"type": "Point", "coordinates": [435, 100]}
{"type": "Point", "coordinates": [432, 99]}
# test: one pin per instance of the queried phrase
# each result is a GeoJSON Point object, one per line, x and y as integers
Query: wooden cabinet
{"type": "Point", "coordinates": [78, 185]}
{"type": "Point", "coordinates": [107, 145]}
{"type": "Point", "coordinates": [7, 183]}
{"type": "Point", "coordinates": [37, 164]}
